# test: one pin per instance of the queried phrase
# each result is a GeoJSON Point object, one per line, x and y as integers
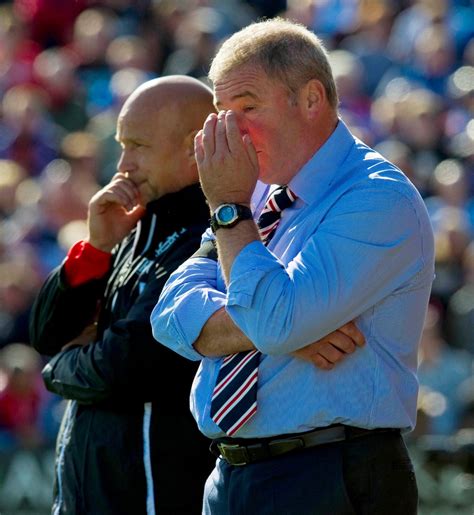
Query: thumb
{"type": "Point", "coordinates": [136, 213]}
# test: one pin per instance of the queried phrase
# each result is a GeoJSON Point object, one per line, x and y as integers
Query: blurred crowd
{"type": "Point", "coordinates": [405, 74]}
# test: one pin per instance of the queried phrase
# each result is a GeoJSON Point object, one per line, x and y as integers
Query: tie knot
{"type": "Point", "coordinates": [280, 199]}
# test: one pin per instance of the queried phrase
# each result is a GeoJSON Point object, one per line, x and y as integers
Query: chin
{"type": "Point", "coordinates": [266, 176]}
{"type": "Point", "coordinates": [263, 172]}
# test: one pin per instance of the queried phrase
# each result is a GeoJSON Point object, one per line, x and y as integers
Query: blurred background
{"type": "Point", "coordinates": [405, 73]}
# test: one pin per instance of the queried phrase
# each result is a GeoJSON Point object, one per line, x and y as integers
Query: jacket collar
{"type": "Point", "coordinates": [180, 208]}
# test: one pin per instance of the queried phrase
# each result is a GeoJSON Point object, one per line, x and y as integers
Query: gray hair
{"type": "Point", "coordinates": [284, 50]}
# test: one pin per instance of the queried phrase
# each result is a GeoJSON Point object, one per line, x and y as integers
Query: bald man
{"type": "Point", "coordinates": [128, 444]}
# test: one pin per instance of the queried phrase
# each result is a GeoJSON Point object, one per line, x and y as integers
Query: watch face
{"type": "Point", "coordinates": [226, 214]}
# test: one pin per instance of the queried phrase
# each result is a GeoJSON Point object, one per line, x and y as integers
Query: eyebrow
{"type": "Point", "coordinates": [129, 140]}
{"type": "Point", "coordinates": [238, 96]}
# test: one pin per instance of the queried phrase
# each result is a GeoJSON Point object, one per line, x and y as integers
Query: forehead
{"type": "Point", "coordinates": [242, 82]}
{"type": "Point", "coordinates": [135, 120]}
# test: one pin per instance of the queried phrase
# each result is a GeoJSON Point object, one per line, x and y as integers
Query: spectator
{"type": "Point", "coordinates": [441, 371]}
{"type": "Point", "coordinates": [21, 396]}
{"type": "Point", "coordinates": [55, 71]}
{"type": "Point", "coordinates": [70, 71]}
{"type": "Point", "coordinates": [26, 134]}
{"type": "Point", "coordinates": [460, 315]}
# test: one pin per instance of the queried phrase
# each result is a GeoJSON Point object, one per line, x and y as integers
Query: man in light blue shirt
{"type": "Point", "coordinates": [355, 245]}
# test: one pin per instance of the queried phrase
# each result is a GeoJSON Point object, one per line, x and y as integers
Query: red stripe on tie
{"type": "Point", "coordinates": [273, 204]}
{"type": "Point", "coordinates": [232, 374]}
{"type": "Point", "coordinates": [236, 397]}
{"type": "Point", "coordinates": [235, 428]}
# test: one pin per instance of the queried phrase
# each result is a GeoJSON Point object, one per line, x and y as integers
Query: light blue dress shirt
{"type": "Point", "coordinates": [356, 245]}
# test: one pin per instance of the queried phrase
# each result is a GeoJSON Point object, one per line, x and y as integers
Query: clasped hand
{"type": "Point", "coordinates": [226, 159]}
{"type": "Point", "coordinates": [333, 348]}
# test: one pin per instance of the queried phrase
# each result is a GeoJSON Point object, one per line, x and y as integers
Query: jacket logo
{"type": "Point", "coordinates": [165, 245]}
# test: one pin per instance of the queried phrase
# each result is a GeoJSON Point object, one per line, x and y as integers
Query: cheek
{"type": "Point", "coordinates": [257, 134]}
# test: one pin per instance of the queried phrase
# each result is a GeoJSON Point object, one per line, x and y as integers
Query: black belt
{"type": "Point", "coordinates": [243, 452]}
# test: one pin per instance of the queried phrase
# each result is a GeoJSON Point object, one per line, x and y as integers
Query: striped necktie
{"type": "Point", "coordinates": [234, 398]}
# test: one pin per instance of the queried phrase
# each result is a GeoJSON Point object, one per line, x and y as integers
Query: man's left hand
{"type": "Point", "coordinates": [333, 348]}
{"type": "Point", "coordinates": [227, 161]}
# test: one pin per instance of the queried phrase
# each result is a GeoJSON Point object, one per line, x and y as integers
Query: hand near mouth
{"type": "Point", "coordinates": [113, 212]}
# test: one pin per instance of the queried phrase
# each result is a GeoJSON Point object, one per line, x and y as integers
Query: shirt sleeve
{"type": "Point", "coordinates": [362, 252]}
{"type": "Point", "coordinates": [85, 263]}
{"type": "Point", "coordinates": [188, 300]}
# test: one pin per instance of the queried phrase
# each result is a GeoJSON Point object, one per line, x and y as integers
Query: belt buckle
{"type": "Point", "coordinates": [229, 450]}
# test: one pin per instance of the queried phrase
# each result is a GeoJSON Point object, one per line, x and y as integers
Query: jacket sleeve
{"type": "Point", "coordinates": [127, 361]}
{"type": "Point", "coordinates": [60, 312]}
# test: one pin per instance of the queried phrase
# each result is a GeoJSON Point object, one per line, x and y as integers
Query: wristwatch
{"type": "Point", "coordinates": [228, 215]}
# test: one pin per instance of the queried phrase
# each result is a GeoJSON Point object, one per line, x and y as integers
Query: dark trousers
{"type": "Point", "coordinates": [372, 474]}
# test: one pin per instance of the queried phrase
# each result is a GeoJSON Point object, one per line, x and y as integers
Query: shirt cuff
{"type": "Point", "coordinates": [85, 263]}
{"type": "Point", "coordinates": [179, 326]}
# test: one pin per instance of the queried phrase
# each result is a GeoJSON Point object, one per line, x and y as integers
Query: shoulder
{"type": "Point", "coordinates": [373, 179]}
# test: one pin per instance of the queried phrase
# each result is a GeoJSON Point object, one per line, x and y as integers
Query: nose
{"type": "Point", "coordinates": [241, 123]}
{"type": "Point", "coordinates": [126, 163]}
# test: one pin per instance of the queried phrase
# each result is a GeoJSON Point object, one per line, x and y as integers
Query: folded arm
{"type": "Point", "coordinates": [357, 257]}
{"type": "Point", "coordinates": [191, 319]}
{"type": "Point", "coordinates": [123, 361]}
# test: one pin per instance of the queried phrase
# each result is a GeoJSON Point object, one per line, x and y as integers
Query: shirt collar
{"type": "Point", "coordinates": [315, 178]}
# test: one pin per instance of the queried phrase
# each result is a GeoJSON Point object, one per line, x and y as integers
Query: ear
{"type": "Point", "coordinates": [313, 96]}
{"type": "Point", "coordinates": [189, 146]}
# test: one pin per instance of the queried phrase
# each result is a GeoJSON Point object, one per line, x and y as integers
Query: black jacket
{"type": "Point", "coordinates": [128, 426]}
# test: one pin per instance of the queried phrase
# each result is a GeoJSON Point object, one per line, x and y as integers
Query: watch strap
{"type": "Point", "coordinates": [243, 213]}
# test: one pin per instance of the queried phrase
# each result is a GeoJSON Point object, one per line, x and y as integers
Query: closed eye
{"type": "Point", "coordinates": [130, 145]}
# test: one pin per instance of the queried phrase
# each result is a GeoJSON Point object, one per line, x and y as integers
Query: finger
{"type": "Point", "coordinates": [127, 188]}
{"type": "Point", "coordinates": [123, 180]}
{"type": "Point", "coordinates": [118, 175]}
{"type": "Point", "coordinates": [198, 149]}
{"type": "Point", "coordinates": [322, 363]}
{"type": "Point", "coordinates": [342, 342]}
{"type": "Point", "coordinates": [251, 150]}
{"type": "Point", "coordinates": [353, 332]}
{"type": "Point", "coordinates": [234, 138]}
{"type": "Point", "coordinates": [331, 353]}
{"type": "Point", "coordinates": [136, 213]}
{"type": "Point", "coordinates": [208, 135]}
{"type": "Point", "coordinates": [126, 195]}
{"type": "Point", "coordinates": [222, 146]}
{"type": "Point", "coordinates": [113, 197]}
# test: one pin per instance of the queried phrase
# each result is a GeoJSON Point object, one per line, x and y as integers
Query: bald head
{"type": "Point", "coordinates": [157, 124]}
{"type": "Point", "coordinates": [185, 98]}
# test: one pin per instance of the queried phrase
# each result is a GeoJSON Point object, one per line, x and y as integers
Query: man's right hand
{"type": "Point", "coordinates": [333, 348]}
{"type": "Point", "coordinates": [113, 213]}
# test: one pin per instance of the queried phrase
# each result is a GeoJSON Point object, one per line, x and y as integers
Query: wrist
{"type": "Point", "coordinates": [228, 215]}
{"type": "Point", "coordinates": [99, 246]}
